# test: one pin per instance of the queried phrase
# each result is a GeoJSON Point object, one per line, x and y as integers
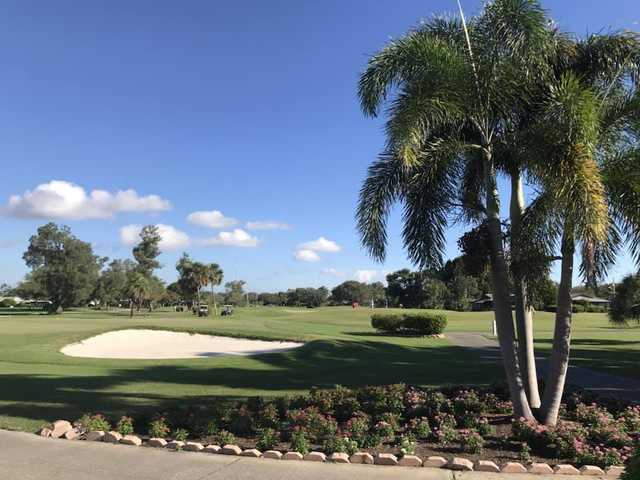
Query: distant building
{"type": "Point", "coordinates": [582, 299]}
{"type": "Point", "coordinates": [485, 302]}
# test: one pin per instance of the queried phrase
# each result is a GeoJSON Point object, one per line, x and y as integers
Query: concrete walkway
{"type": "Point", "coordinates": [602, 383]}
{"type": "Point", "coordinates": [29, 457]}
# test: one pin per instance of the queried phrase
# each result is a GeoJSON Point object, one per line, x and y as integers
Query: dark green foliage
{"type": "Point", "coordinates": [626, 303]}
{"type": "Point", "coordinates": [411, 324]}
{"type": "Point", "coordinates": [94, 422]}
{"type": "Point", "coordinates": [147, 251]}
{"type": "Point", "coordinates": [268, 438]}
{"type": "Point", "coordinates": [63, 268]}
{"type": "Point", "coordinates": [299, 441]}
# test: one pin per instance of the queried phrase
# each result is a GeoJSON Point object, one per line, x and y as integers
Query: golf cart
{"type": "Point", "coordinates": [203, 310]}
{"type": "Point", "coordinates": [226, 310]}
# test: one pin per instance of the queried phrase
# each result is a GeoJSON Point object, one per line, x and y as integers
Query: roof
{"type": "Point", "coordinates": [588, 299]}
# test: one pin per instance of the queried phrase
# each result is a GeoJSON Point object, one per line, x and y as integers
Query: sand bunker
{"type": "Point", "coordinates": [157, 344]}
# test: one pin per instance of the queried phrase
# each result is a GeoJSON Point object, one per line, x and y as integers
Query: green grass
{"type": "Point", "coordinates": [39, 384]}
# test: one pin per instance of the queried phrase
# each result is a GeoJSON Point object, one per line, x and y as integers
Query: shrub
{"type": "Point", "coordinates": [388, 323]}
{"type": "Point", "coordinates": [268, 438]}
{"type": "Point", "coordinates": [424, 323]}
{"type": "Point", "coordinates": [299, 441]}
{"type": "Point", "coordinates": [372, 440]}
{"type": "Point", "coordinates": [379, 400]}
{"type": "Point", "coordinates": [241, 421]}
{"type": "Point", "coordinates": [632, 472]}
{"type": "Point", "coordinates": [340, 444]}
{"type": "Point", "coordinates": [524, 455]}
{"type": "Point", "coordinates": [435, 402]}
{"type": "Point", "coordinates": [414, 324]}
{"type": "Point", "coordinates": [420, 428]}
{"type": "Point", "coordinates": [158, 428]}
{"type": "Point", "coordinates": [630, 418]}
{"type": "Point", "coordinates": [180, 434]}
{"type": "Point", "coordinates": [225, 438]}
{"type": "Point", "coordinates": [92, 423]}
{"type": "Point", "coordinates": [471, 441]}
{"type": "Point", "coordinates": [445, 435]}
{"type": "Point", "coordinates": [385, 431]}
{"type": "Point", "coordinates": [125, 426]}
{"type": "Point", "coordinates": [592, 415]}
{"type": "Point", "coordinates": [357, 427]}
{"type": "Point", "coordinates": [407, 445]}
{"type": "Point", "coordinates": [268, 417]}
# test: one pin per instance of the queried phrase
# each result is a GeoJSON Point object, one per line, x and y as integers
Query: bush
{"type": "Point", "coordinates": [299, 441]}
{"type": "Point", "coordinates": [340, 444]}
{"type": "Point", "coordinates": [471, 441]}
{"type": "Point", "coordinates": [420, 428]}
{"type": "Point", "coordinates": [268, 438]}
{"type": "Point", "coordinates": [413, 324]}
{"type": "Point", "coordinates": [357, 428]}
{"type": "Point", "coordinates": [407, 445]}
{"type": "Point", "coordinates": [387, 323]}
{"type": "Point", "coordinates": [632, 472]}
{"type": "Point", "coordinates": [158, 428]}
{"type": "Point", "coordinates": [180, 434]}
{"type": "Point", "coordinates": [92, 423]}
{"type": "Point", "coordinates": [125, 426]}
{"type": "Point", "coordinates": [225, 438]}
{"type": "Point", "coordinates": [424, 323]}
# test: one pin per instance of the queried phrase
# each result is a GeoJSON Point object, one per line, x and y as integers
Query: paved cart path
{"type": "Point", "coordinates": [29, 457]}
{"type": "Point", "coordinates": [602, 383]}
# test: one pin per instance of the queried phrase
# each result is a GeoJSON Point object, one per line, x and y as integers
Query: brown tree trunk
{"type": "Point", "coordinates": [524, 313]}
{"type": "Point", "coordinates": [131, 308]}
{"type": "Point", "coordinates": [559, 361]}
{"type": "Point", "coordinates": [213, 297]}
{"type": "Point", "coordinates": [501, 300]}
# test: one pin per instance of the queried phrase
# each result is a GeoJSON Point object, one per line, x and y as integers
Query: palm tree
{"type": "Point", "coordinates": [587, 128]}
{"type": "Point", "coordinates": [138, 290]}
{"type": "Point", "coordinates": [215, 276]}
{"type": "Point", "coordinates": [201, 276]}
{"type": "Point", "coordinates": [455, 91]}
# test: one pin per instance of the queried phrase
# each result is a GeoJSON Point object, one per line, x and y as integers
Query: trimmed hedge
{"type": "Point", "coordinates": [413, 323]}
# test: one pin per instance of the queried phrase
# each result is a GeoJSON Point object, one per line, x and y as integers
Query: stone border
{"type": "Point", "coordinates": [63, 429]}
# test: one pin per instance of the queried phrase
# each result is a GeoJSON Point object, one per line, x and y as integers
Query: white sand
{"type": "Point", "coordinates": [157, 344]}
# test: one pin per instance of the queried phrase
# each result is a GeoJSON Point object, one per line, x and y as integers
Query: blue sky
{"type": "Point", "coordinates": [247, 108]}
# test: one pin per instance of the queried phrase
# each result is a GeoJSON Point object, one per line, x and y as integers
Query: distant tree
{"type": "Point", "coordinates": [138, 290]}
{"type": "Point", "coordinates": [63, 267]}
{"type": "Point", "coordinates": [187, 279]}
{"type": "Point", "coordinates": [5, 289]}
{"type": "Point", "coordinates": [377, 292]}
{"type": "Point", "coordinates": [350, 291]}
{"type": "Point", "coordinates": [234, 292]}
{"type": "Point", "coordinates": [147, 250]}
{"type": "Point", "coordinates": [626, 302]}
{"type": "Point", "coordinates": [406, 288]}
{"type": "Point", "coordinates": [111, 287]}
{"type": "Point", "coordinates": [215, 275]}
{"type": "Point", "coordinates": [29, 289]}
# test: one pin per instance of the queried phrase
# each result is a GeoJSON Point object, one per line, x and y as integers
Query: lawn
{"type": "Point", "coordinates": [39, 384]}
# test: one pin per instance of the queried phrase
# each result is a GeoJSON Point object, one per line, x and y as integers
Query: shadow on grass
{"type": "Point", "coordinates": [319, 363]}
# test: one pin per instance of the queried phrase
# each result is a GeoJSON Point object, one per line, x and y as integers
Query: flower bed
{"type": "Point", "coordinates": [401, 420]}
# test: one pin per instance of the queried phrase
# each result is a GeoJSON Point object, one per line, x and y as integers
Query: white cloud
{"type": "Point", "coordinates": [332, 271]}
{"type": "Point", "coordinates": [66, 200]}
{"type": "Point", "coordinates": [305, 255]}
{"type": "Point", "coordinates": [237, 238]}
{"type": "Point", "coordinates": [365, 276]}
{"type": "Point", "coordinates": [321, 245]}
{"type": "Point", "coordinates": [267, 225]}
{"type": "Point", "coordinates": [211, 219]}
{"type": "Point", "coordinates": [171, 237]}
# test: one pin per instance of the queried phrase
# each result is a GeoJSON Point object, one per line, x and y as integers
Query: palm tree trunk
{"type": "Point", "coordinates": [501, 300]}
{"type": "Point", "coordinates": [559, 361]}
{"type": "Point", "coordinates": [524, 313]}
{"type": "Point", "coordinates": [213, 296]}
{"type": "Point", "coordinates": [131, 306]}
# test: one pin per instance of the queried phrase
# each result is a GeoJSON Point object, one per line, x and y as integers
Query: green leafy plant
{"type": "Point", "coordinates": [299, 441]}
{"type": "Point", "coordinates": [225, 438]}
{"type": "Point", "coordinates": [524, 454]}
{"type": "Point", "coordinates": [471, 441]}
{"type": "Point", "coordinates": [340, 444]}
{"type": "Point", "coordinates": [180, 434]}
{"type": "Point", "coordinates": [268, 438]}
{"type": "Point", "coordinates": [158, 428]}
{"type": "Point", "coordinates": [407, 445]}
{"type": "Point", "coordinates": [125, 426]}
{"type": "Point", "coordinates": [95, 422]}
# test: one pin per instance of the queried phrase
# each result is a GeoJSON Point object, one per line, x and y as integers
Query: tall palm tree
{"type": "Point", "coordinates": [138, 290]}
{"type": "Point", "coordinates": [454, 90]}
{"type": "Point", "coordinates": [201, 276]}
{"type": "Point", "coordinates": [215, 276]}
{"type": "Point", "coordinates": [587, 127]}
